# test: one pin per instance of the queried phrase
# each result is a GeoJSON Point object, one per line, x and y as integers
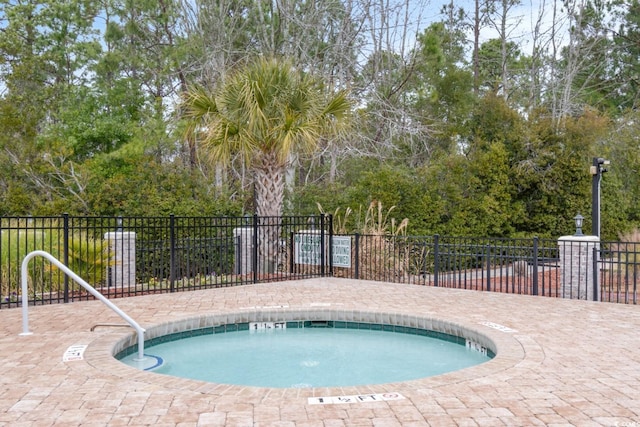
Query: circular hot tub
{"type": "Point", "coordinates": [325, 351]}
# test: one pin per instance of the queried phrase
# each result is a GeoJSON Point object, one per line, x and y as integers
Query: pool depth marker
{"type": "Point", "coordinates": [356, 398]}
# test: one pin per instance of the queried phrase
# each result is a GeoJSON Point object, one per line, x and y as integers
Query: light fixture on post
{"type": "Point", "coordinates": [578, 219]}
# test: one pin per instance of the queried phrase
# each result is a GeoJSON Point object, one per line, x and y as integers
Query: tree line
{"type": "Point", "coordinates": [473, 120]}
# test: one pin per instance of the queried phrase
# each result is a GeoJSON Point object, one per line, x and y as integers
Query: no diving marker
{"type": "Point", "coordinates": [356, 398]}
{"type": "Point", "coordinates": [75, 352]}
{"type": "Point", "coordinates": [498, 327]}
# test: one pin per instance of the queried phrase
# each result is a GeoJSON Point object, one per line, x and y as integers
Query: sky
{"type": "Point", "coordinates": [522, 22]}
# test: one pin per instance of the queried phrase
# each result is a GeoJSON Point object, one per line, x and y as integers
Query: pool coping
{"type": "Point", "coordinates": [508, 350]}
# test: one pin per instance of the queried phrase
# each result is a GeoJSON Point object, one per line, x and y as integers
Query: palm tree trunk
{"type": "Point", "coordinates": [269, 196]}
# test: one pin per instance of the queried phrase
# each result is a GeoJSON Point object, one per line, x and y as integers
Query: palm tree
{"type": "Point", "coordinates": [265, 112]}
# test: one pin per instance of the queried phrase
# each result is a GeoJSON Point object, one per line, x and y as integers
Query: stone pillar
{"type": "Point", "coordinates": [121, 270]}
{"type": "Point", "coordinates": [576, 267]}
{"type": "Point", "coordinates": [243, 238]}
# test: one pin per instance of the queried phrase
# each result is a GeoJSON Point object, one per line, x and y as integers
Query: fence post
{"type": "Point", "coordinates": [172, 253]}
{"type": "Point", "coordinates": [330, 225]}
{"type": "Point", "coordinates": [535, 265]}
{"type": "Point", "coordinates": [489, 267]}
{"type": "Point", "coordinates": [357, 260]}
{"type": "Point", "coordinates": [322, 246]}
{"type": "Point", "coordinates": [254, 258]}
{"type": "Point", "coordinates": [596, 271]}
{"type": "Point", "coordinates": [291, 251]}
{"type": "Point", "coordinates": [436, 259]}
{"type": "Point", "coordinates": [65, 245]}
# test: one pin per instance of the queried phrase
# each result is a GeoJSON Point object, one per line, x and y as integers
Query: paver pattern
{"type": "Point", "coordinates": [563, 362]}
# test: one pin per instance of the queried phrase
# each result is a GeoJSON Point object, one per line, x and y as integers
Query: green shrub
{"type": "Point", "coordinates": [87, 257]}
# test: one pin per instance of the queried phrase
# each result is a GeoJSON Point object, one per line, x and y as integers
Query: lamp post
{"type": "Point", "coordinates": [596, 170]}
{"type": "Point", "coordinates": [578, 219]}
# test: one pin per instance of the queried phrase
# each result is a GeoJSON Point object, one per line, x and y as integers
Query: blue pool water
{"type": "Point", "coordinates": [309, 357]}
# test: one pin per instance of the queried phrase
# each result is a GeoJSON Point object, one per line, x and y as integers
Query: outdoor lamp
{"type": "Point", "coordinates": [578, 219]}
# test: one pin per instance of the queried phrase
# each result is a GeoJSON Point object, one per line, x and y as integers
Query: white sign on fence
{"type": "Point", "coordinates": [306, 249]}
{"type": "Point", "coordinates": [341, 251]}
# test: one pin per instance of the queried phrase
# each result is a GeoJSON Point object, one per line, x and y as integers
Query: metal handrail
{"type": "Point", "coordinates": [81, 282]}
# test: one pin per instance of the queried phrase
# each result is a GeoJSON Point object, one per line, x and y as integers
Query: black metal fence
{"type": "Point", "coordinates": [569, 267]}
{"type": "Point", "coordinates": [520, 266]}
{"type": "Point", "coordinates": [618, 265]}
{"type": "Point", "coordinates": [131, 256]}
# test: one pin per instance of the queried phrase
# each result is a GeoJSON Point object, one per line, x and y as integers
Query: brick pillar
{"type": "Point", "coordinates": [576, 267]}
{"type": "Point", "coordinates": [121, 270]}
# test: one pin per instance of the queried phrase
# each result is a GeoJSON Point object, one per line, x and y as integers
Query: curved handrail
{"type": "Point", "coordinates": [80, 281]}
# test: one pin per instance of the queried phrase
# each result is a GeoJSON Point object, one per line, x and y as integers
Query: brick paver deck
{"type": "Point", "coordinates": [560, 362]}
